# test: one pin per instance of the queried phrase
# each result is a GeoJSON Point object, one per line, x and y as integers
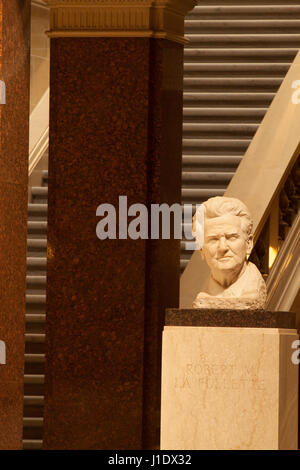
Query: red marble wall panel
{"type": "Point", "coordinates": [14, 129]}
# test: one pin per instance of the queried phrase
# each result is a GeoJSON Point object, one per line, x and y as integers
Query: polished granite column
{"type": "Point", "coordinates": [115, 130]}
{"type": "Point", "coordinates": [14, 129]}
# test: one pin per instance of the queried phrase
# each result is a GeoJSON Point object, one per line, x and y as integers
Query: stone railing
{"type": "Point", "coordinates": [282, 214]}
{"type": "Point", "coordinates": [264, 178]}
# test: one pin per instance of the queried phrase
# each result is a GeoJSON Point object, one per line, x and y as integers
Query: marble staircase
{"type": "Point", "coordinates": [238, 55]}
{"type": "Point", "coordinates": [35, 316]}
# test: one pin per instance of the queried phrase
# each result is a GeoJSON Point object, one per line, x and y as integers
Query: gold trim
{"type": "Point", "coordinates": [39, 3]}
{"type": "Point", "coordinates": [118, 34]}
{"type": "Point", "coordinates": [119, 18]}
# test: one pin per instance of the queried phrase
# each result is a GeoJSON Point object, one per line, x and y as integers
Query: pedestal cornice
{"type": "Point", "coordinates": [119, 18]}
{"type": "Point", "coordinates": [230, 318]}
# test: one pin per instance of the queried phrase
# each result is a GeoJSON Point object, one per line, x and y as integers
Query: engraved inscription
{"type": "Point", "coordinates": [219, 376]}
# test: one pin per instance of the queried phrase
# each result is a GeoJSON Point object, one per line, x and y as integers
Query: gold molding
{"type": "Point", "coordinates": [38, 3]}
{"type": "Point", "coordinates": [119, 18]}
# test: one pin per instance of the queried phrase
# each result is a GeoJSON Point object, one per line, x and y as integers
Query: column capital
{"type": "Point", "coordinates": [119, 18]}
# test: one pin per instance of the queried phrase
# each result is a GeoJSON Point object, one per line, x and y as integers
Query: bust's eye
{"type": "Point", "coordinates": [232, 237]}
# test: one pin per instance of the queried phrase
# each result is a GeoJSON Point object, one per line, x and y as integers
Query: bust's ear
{"type": "Point", "coordinates": [249, 245]}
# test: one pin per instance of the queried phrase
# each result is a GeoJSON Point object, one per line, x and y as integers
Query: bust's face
{"type": "Point", "coordinates": [225, 244]}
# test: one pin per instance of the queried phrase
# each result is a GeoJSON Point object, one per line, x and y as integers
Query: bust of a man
{"type": "Point", "coordinates": [223, 230]}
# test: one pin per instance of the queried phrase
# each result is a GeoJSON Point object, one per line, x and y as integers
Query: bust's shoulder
{"type": "Point", "coordinates": [253, 280]}
{"type": "Point", "coordinates": [253, 272]}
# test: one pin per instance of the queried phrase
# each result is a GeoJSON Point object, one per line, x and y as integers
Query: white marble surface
{"type": "Point", "coordinates": [228, 388]}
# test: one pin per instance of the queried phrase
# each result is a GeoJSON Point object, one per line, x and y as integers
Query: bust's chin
{"type": "Point", "coordinates": [225, 273]}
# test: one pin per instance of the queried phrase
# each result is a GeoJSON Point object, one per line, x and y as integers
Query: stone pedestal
{"type": "Point", "coordinates": [228, 381]}
{"type": "Point", "coordinates": [14, 136]}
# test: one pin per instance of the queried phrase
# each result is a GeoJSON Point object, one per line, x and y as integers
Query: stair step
{"type": "Point", "coordinates": [34, 384]}
{"type": "Point", "coordinates": [37, 208]}
{"type": "Point", "coordinates": [280, 40]}
{"type": "Point", "coordinates": [200, 177]}
{"type": "Point", "coordinates": [36, 262]}
{"type": "Point", "coordinates": [220, 129]}
{"type": "Point", "coordinates": [35, 324]}
{"type": "Point", "coordinates": [35, 328]}
{"type": "Point", "coordinates": [183, 264]}
{"type": "Point", "coordinates": [33, 400]}
{"type": "Point", "coordinates": [37, 347]}
{"type": "Point", "coordinates": [228, 144]}
{"type": "Point", "coordinates": [33, 411]}
{"type": "Point", "coordinates": [230, 25]}
{"type": "Point", "coordinates": [39, 195]}
{"type": "Point", "coordinates": [38, 358]}
{"type": "Point", "coordinates": [32, 444]}
{"type": "Point", "coordinates": [32, 433]}
{"type": "Point", "coordinates": [37, 226]}
{"type": "Point", "coordinates": [197, 195]}
{"type": "Point", "coordinates": [224, 113]}
{"type": "Point", "coordinates": [35, 337]}
{"type": "Point", "coordinates": [37, 281]}
{"type": "Point", "coordinates": [34, 379]}
{"type": "Point", "coordinates": [238, 53]}
{"type": "Point", "coordinates": [228, 83]}
{"type": "Point", "coordinates": [231, 69]}
{"type": "Point", "coordinates": [34, 368]}
{"type": "Point", "coordinates": [35, 317]}
{"type": "Point", "coordinates": [39, 191]}
{"type": "Point", "coordinates": [35, 298]}
{"type": "Point", "coordinates": [210, 160]}
{"type": "Point", "coordinates": [36, 244]}
{"type": "Point", "coordinates": [240, 10]}
{"type": "Point", "coordinates": [33, 422]}
{"type": "Point", "coordinates": [231, 98]}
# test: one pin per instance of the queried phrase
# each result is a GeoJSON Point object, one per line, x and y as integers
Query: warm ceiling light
{"type": "Point", "coordinates": [272, 256]}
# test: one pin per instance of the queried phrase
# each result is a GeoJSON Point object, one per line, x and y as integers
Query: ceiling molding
{"type": "Point", "coordinates": [119, 18]}
{"type": "Point", "coordinates": [39, 3]}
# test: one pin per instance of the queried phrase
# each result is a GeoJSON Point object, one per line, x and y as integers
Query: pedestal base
{"type": "Point", "coordinates": [231, 387]}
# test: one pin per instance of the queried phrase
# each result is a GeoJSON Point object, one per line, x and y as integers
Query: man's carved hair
{"type": "Point", "coordinates": [218, 206]}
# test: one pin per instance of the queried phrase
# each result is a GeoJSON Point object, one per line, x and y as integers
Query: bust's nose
{"type": "Point", "coordinates": [222, 246]}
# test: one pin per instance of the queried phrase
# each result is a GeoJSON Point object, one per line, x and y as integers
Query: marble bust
{"type": "Point", "coordinates": [223, 229]}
